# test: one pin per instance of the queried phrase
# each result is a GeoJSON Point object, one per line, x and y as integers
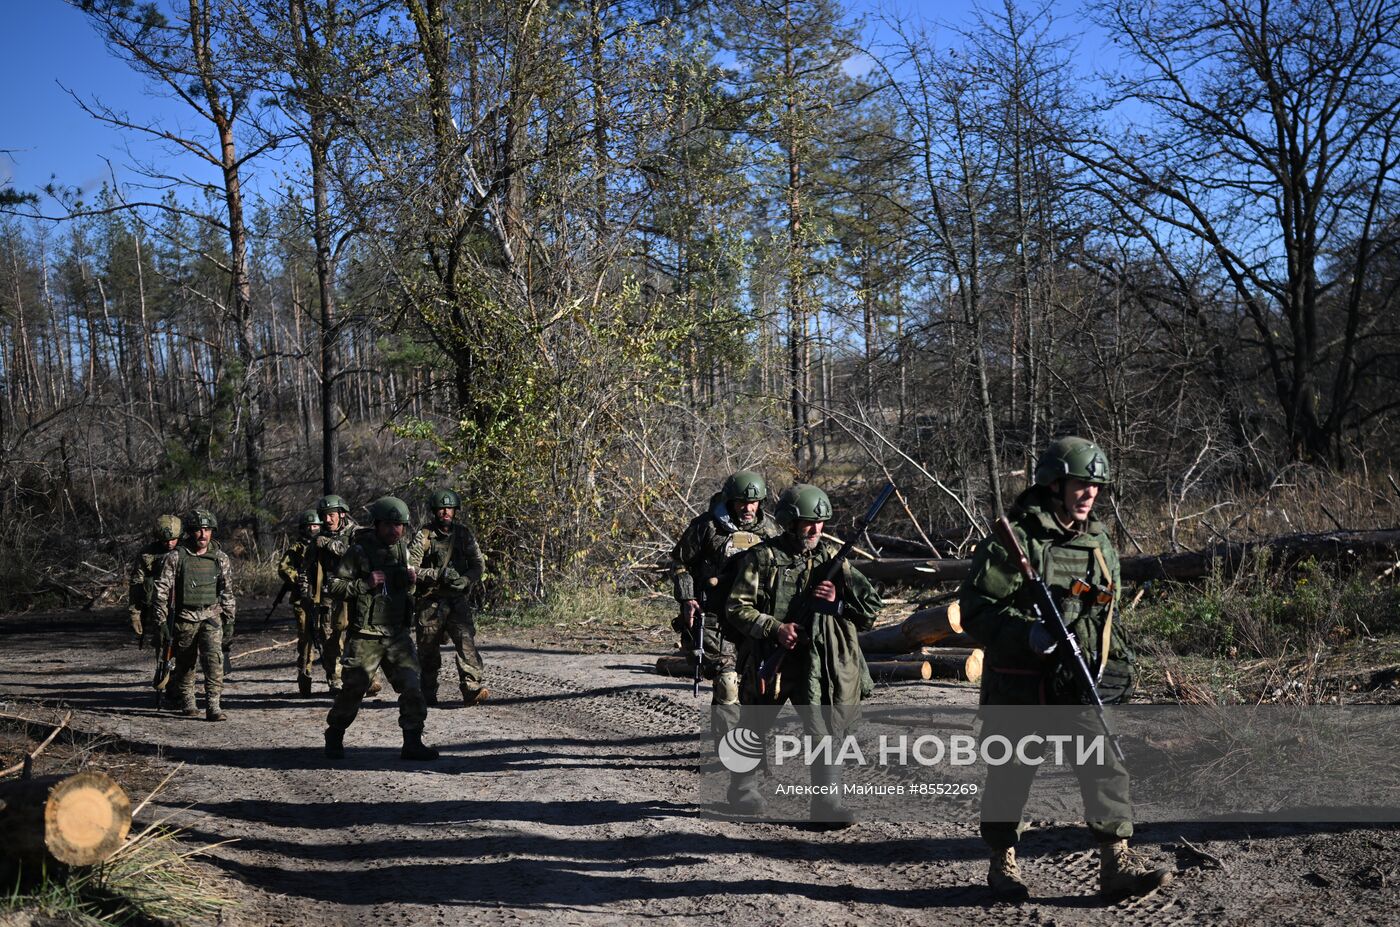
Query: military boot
{"type": "Point", "coordinates": [213, 711]}
{"type": "Point", "coordinates": [826, 806]}
{"type": "Point", "coordinates": [414, 748]}
{"type": "Point", "coordinates": [430, 698]}
{"type": "Point", "coordinates": [743, 795]}
{"type": "Point", "coordinates": [1123, 873]}
{"type": "Point", "coordinates": [1004, 876]}
{"type": "Point", "coordinates": [335, 743]}
{"type": "Point", "coordinates": [303, 684]}
{"type": "Point", "coordinates": [375, 687]}
{"type": "Point", "coordinates": [472, 695]}
{"type": "Point", "coordinates": [188, 708]}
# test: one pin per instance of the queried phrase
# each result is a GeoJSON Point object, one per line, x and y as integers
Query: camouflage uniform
{"type": "Point", "coordinates": [710, 543]}
{"type": "Point", "coordinates": [825, 676]}
{"type": "Point", "coordinates": [1024, 663]}
{"type": "Point", "coordinates": [379, 632]}
{"type": "Point", "coordinates": [995, 615]}
{"type": "Point", "coordinates": [449, 563]}
{"type": "Point", "coordinates": [332, 609]}
{"type": "Point", "coordinates": [194, 596]}
{"type": "Point", "coordinates": [301, 568]}
{"type": "Point", "coordinates": [141, 584]}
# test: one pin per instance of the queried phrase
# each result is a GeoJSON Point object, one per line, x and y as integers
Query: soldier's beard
{"type": "Point", "coordinates": [745, 520]}
{"type": "Point", "coordinates": [811, 543]}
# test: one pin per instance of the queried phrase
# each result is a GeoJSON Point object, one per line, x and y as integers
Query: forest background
{"type": "Point", "coordinates": [579, 260]}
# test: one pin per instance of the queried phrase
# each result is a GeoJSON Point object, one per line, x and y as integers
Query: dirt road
{"type": "Point", "coordinates": [570, 798]}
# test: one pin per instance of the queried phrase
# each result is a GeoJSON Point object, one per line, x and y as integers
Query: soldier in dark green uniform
{"type": "Point", "coordinates": [332, 611]}
{"type": "Point", "coordinates": [142, 579]}
{"type": "Point", "coordinates": [1071, 550]}
{"type": "Point", "coordinates": [777, 601]}
{"type": "Point", "coordinates": [449, 563]}
{"type": "Point", "coordinates": [375, 578]}
{"type": "Point", "coordinates": [712, 542]}
{"type": "Point", "coordinates": [194, 594]}
{"type": "Point", "coordinates": [301, 568]}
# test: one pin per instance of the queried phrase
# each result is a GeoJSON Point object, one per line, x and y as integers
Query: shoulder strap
{"type": "Point", "coordinates": [1112, 604]}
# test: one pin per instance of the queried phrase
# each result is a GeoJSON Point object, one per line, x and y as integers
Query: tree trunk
{"type": "Point", "coordinates": [75, 820]}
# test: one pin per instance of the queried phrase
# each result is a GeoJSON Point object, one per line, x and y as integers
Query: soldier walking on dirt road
{"type": "Point", "coordinates": [141, 586]}
{"type": "Point", "coordinates": [1054, 524]}
{"type": "Point", "coordinates": [376, 581]}
{"type": "Point", "coordinates": [702, 564]}
{"type": "Point", "coordinates": [778, 601]}
{"type": "Point", "coordinates": [194, 594]}
{"type": "Point", "coordinates": [300, 568]}
{"type": "Point", "coordinates": [449, 564]}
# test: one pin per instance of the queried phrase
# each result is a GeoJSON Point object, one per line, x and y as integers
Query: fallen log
{"type": "Point", "coordinates": [1334, 545]}
{"type": "Point", "coordinates": [77, 820]}
{"type": "Point", "coordinates": [892, 670]}
{"type": "Point", "coordinates": [960, 665]}
{"type": "Point", "coordinates": [1229, 557]}
{"type": "Point", "coordinates": [926, 626]}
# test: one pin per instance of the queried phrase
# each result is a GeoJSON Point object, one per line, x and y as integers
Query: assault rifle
{"type": "Point", "coordinates": [282, 594]}
{"type": "Point", "coordinates": [768, 670]}
{"type": "Point", "coordinates": [164, 661]}
{"type": "Point", "coordinates": [1045, 611]}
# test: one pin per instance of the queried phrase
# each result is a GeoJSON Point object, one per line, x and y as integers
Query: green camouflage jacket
{"type": "Point", "coordinates": [708, 544]}
{"type": "Point", "coordinates": [141, 581]}
{"type": "Point", "coordinates": [434, 552]}
{"type": "Point", "coordinates": [827, 667]}
{"type": "Point", "coordinates": [330, 548]}
{"type": "Point", "coordinates": [995, 608]}
{"type": "Point", "coordinates": [171, 588]}
{"type": "Point", "coordinates": [379, 611]}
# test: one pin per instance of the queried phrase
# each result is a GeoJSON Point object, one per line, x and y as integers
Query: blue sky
{"type": "Point", "coordinates": [49, 46]}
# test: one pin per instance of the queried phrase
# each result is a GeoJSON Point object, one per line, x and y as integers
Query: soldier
{"type": "Point", "coordinates": [375, 578]}
{"type": "Point", "coordinates": [449, 563]}
{"type": "Point", "coordinates": [1071, 549]}
{"type": "Point", "coordinates": [142, 583]}
{"type": "Point", "coordinates": [702, 565]}
{"type": "Point", "coordinates": [778, 601]}
{"type": "Point", "coordinates": [194, 594]}
{"type": "Point", "coordinates": [301, 569]}
{"type": "Point", "coordinates": [332, 612]}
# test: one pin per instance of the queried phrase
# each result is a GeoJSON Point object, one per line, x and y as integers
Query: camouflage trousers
{"type": "Point", "coordinates": [364, 655]}
{"type": "Point", "coordinates": [334, 621]}
{"type": "Point", "coordinates": [1104, 789]}
{"type": "Point", "coordinates": [307, 633]}
{"type": "Point", "coordinates": [451, 618]}
{"type": "Point", "coordinates": [197, 639]}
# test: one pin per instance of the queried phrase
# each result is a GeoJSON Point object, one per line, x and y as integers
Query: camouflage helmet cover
{"type": "Point", "coordinates": [200, 518]}
{"type": "Point", "coordinates": [745, 486]}
{"type": "Point", "coordinates": [331, 503]}
{"type": "Point", "coordinates": [444, 499]}
{"type": "Point", "coordinates": [390, 509]}
{"type": "Point", "coordinates": [802, 502]}
{"type": "Point", "coordinates": [1072, 456]}
{"type": "Point", "coordinates": [308, 518]}
{"type": "Point", "coordinates": [167, 528]}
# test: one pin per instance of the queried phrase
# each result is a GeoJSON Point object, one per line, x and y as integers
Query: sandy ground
{"type": "Point", "coordinates": [573, 797]}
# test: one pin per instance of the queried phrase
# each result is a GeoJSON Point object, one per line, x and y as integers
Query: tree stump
{"type": "Point", "coordinates": [77, 820]}
{"type": "Point", "coordinates": [676, 664]}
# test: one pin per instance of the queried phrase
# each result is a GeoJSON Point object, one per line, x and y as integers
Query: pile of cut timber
{"type": "Point", "coordinates": [929, 644]}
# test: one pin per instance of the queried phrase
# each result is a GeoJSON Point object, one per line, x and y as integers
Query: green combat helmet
{"type": "Point", "coordinates": [745, 486]}
{"type": "Point", "coordinates": [444, 499]}
{"type": "Point", "coordinates": [310, 519]}
{"type": "Point", "coordinates": [167, 528]}
{"type": "Point", "coordinates": [802, 502]}
{"type": "Point", "coordinates": [390, 509]}
{"type": "Point", "coordinates": [331, 503]}
{"type": "Point", "coordinates": [200, 518]}
{"type": "Point", "coordinates": [1077, 457]}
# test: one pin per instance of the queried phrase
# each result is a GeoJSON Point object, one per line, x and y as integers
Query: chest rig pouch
{"type": "Point", "coordinates": [199, 580]}
{"type": "Point", "coordinates": [1079, 578]}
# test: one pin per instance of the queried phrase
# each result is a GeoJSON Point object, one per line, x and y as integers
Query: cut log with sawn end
{"type": "Point", "coordinates": [77, 820]}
